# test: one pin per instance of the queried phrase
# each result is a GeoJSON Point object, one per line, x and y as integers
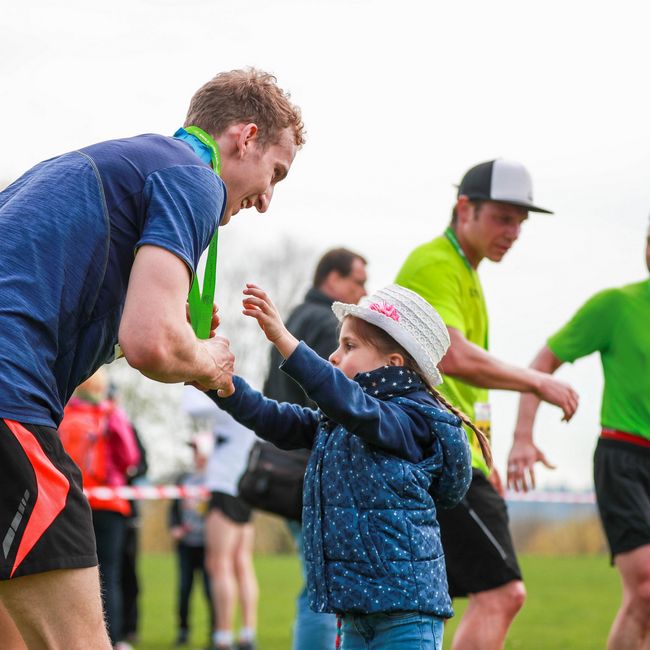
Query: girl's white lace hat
{"type": "Point", "coordinates": [409, 319]}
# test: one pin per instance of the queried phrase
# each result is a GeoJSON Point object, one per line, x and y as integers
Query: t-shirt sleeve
{"type": "Point", "coordinates": [588, 331]}
{"type": "Point", "coordinates": [439, 286]}
{"type": "Point", "coordinates": [184, 205]}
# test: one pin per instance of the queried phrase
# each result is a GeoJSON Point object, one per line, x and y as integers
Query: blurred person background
{"type": "Point", "coordinates": [187, 528]}
{"type": "Point", "coordinates": [229, 532]}
{"type": "Point", "coordinates": [100, 439]}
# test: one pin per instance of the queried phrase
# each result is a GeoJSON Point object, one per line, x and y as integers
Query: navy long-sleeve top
{"type": "Point", "coordinates": [384, 455]}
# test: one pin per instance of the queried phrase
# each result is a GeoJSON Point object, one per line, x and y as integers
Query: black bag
{"type": "Point", "coordinates": [273, 479]}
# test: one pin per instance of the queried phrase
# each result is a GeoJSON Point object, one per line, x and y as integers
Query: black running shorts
{"type": "Point", "coordinates": [232, 507]}
{"type": "Point", "coordinates": [45, 519]}
{"type": "Point", "coordinates": [622, 480]}
{"type": "Point", "coordinates": [479, 552]}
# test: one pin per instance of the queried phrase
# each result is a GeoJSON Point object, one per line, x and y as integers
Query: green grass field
{"type": "Point", "coordinates": [571, 603]}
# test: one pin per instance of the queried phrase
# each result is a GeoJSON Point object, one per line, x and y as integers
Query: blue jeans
{"type": "Point", "coordinates": [396, 631]}
{"type": "Point", "coordinates": [311, 631]}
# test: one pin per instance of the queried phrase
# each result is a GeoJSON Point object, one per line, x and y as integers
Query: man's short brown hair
{"type": "Point", "coordinates": [337, 259]}
{"type": "Point", "coordinates": [250, 96]}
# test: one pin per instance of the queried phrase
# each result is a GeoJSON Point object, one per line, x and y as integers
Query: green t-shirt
{"type": "Point", "coordinates": [441, 276]}
{"type": "Point", "coordinates": [616, 323]}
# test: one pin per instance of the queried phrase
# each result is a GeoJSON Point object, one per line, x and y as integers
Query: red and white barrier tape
{"type": "Point", "coordinates": [153, 492]}
{"type": "Point", "coordinates": [542, 496]}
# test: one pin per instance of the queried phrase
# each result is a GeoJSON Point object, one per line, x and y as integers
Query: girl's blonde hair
{"type": "Point", "coordinates": [386, 344]}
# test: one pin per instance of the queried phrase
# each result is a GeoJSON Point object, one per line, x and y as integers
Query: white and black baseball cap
{"type": "Point", "coordinates": [506, 181]}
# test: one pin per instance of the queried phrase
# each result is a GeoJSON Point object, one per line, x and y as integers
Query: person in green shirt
{"type": "Point", "coordinates": [494, 199]}
{"type": "Point", "coordinates": [616, 324]}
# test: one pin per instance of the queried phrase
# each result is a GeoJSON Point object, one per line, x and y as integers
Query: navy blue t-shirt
{"type": "Point", "coordinates": [69, 230]}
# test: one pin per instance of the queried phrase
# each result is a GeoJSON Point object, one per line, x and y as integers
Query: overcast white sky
{"type": "Point", "coordinates": [399, 100]}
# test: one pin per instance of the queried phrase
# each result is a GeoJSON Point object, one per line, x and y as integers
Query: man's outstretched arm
{"type": "Point", "coordinates": [474, 365]}
{"type": "Point", "coordinates": [154, 333]}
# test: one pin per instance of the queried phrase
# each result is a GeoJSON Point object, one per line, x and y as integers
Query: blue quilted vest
{"type": "Point", "coordinates": [371, 537]}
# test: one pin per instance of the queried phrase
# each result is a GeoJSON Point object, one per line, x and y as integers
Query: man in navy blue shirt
{"type": "Point", "coordinates": [98, 248]}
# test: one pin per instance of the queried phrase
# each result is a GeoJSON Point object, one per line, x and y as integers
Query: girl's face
{"type": "Point", "coordinates": [355, 355]}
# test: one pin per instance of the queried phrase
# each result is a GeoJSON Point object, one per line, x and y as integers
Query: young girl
{"type": "Point", "coordinates": [384, 455]}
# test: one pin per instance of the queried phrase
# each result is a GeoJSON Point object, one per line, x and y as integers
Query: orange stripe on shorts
{"type": "Point", "coordinates": [52, 489]}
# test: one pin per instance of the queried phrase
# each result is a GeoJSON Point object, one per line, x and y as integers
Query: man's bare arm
{"type": "Point", "coordinates": [154, 333]}
{"type": "Point", "coordinates": [474, 365]}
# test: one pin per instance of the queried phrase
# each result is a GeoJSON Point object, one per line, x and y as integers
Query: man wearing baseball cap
{"type": "Point", "coordinates": [494, 199]}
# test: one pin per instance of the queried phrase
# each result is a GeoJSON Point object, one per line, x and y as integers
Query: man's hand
{"type": "Point", "coordinates": [216, 321]}
{"type": "Point", "coordinates": [220, 379]}
{"type": "Point", "coordinates": [559, 393]}
{"type": "Point", "coordinates": [521, 461]}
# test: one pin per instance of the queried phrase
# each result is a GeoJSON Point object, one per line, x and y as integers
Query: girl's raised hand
{"type": "Point", "coordinates": [259, 306]}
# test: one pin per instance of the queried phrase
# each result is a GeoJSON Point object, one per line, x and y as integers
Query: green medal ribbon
{"type": "Point", "coordinates": [202, 302]}
{"type": "Point", "coordinates": [451, 236]}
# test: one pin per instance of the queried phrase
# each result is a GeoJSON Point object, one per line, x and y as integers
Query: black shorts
{"type": "Point", "coordinates": [479, 552]}
{"type": "Point", "coordinates": [622, 480]}
{"type": "Point", "coordinates": [45, 519]}
{"type": "Point", "coordinates": [232, 507]}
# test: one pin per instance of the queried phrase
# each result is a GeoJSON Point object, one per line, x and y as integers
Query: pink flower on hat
{"type": "Point", "coordinates": [386, 309]}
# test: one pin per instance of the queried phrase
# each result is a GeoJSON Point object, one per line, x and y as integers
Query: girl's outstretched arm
{"type": "Point", "coordinates": [287, 426]}
{"type": "Point", "coordinates": [259, 306]}
{"type": "Point", "coordinates": [380, 422]}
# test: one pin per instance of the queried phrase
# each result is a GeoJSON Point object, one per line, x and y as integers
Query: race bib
{"type": "Point", "coordinates": [483, 418]}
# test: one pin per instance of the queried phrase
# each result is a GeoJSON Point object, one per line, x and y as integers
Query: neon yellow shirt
{"type": "Point", "coordinates": [441, 276]}
{"type": "Point", "coordinates": [615, 323]}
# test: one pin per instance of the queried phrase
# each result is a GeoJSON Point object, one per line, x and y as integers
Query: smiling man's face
{"type": "Point", "coordinates": [251, 177]}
